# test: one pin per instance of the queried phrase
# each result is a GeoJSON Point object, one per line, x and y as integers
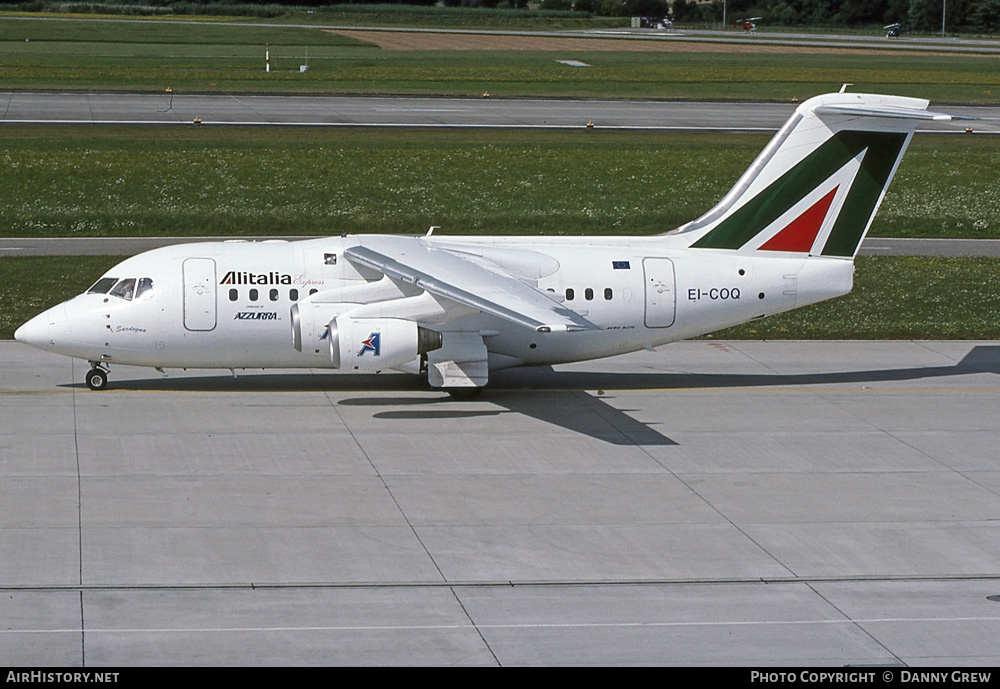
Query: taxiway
{"type": "Point", "coordinates": [752, 503]}
{"type": "Point", "coordinates": [41, 107]}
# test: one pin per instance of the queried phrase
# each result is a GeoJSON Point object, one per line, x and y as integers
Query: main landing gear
{"type": "Point", "coordinates": [464, 394]}
{"type": "Point", "coordinates": [97, 376]}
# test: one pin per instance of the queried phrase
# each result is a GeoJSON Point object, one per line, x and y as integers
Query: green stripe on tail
{"type": "Point", "coordinates": [883, 151]}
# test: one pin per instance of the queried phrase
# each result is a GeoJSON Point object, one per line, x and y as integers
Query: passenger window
{"type": "Point", "coordinates": [253, 295]}
{"type": "Point", "coordinates": [273, 294]}
{"type": "Point", "coordinates": [588, 294]}
{"type": "Point", "coordinates": [570, 294]}
{"type": "Point", "coordinates": [313, 291]}
{"type": "Point", "coordinates": [102, 286]}
{"type": "Point", "coordinates": [330, 259]}
{"type": "Point", "coordinates": [145, 288]}
{"type": "Point", "coordinates": [293, 294]}
{"type": "Point", "coordinates": [124, 289]}
{"type": "Point", "coordinates": [608, 294]}
{"type": "Point", "coordinates": [234, 294]}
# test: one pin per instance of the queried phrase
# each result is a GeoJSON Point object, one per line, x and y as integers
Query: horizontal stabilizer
{"type": "Point", "coordinates": [897, 113]}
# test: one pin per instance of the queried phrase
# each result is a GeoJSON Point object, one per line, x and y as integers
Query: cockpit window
{"type": "Point", "coordinates": [145, 288]}
{"type": "Point", "coordinates": [124, 289]}
{"type": "Point", "coordinates": [102, 286]}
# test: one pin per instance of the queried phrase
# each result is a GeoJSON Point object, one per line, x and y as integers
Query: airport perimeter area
{"type": "Point", "coordinates": [712, 503]}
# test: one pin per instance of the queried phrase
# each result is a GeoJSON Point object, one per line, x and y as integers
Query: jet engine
{"type": "Point", "coordinates": [310, 322]}
{"type": "Point", "coordinates": [311, 316]}
{"type": "Point", "coordinates": [376, 344]}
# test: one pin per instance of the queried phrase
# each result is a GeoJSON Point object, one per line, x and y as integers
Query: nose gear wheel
{"type": "Point", "coordinates": [97, 377]}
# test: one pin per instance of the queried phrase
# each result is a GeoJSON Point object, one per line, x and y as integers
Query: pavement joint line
{"type": "Point", "coordinates": [785, 388]}
{"type": "Point", "coordinates": [522, 625]}
{"type": "Point", "coordinates": [508, 583]}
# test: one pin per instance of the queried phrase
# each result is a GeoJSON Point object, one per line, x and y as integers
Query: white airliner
{"type": "Point", "coordinates": [459, 307]}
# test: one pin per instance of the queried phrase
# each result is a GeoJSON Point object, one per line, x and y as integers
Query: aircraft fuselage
{"type": "Point", "coordinates": [228, 304]}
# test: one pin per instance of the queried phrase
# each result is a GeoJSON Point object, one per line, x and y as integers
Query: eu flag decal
{"type": "Point", "coordinates": [620, 265]}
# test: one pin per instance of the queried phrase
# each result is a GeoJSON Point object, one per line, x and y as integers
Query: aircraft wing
{"type": "Point", "coordinates": [485, 288]}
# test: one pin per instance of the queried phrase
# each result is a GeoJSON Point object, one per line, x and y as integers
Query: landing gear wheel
{"type": "Point", "coordinates": [464, 393]}
{"type": "Point", "coordinates": [97, 379]}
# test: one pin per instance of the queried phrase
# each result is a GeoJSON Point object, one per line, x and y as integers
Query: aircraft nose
{"type": "Point", "coordinates": [38, 331]}
{"type": "Point", "coordinates": [34, 332]}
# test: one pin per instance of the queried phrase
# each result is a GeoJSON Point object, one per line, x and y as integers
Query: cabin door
{"type": "Point", "coordinates": [661, 301]}
{"type": "Point", "coordinates": [200, 311]}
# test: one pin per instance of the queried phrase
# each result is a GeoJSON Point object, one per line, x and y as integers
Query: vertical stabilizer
{"type": "Point", "coordinates": [816, 187]}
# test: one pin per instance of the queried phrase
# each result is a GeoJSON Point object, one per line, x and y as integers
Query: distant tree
{"type": "Point", "coordinates": [897, 11]}
{"type": "Point", "coordinates": [634, 8]}
{"type": "Point", "coordinates": [682, 10]}
{"type": "Point", "coordinates": [854, 12]}
{"type": "Point", "coordinates": [962, 15]}
{"type": "Point", "coordinates": [648, 8]}
{"type": "Point", "coordinates": [782, 12]}
{"type": "Point", "coordinates": [739, 7]}
{"type": "Point", "coordinates": [985, 16]}
{"type": "Point", "coordinates": [821, 11]}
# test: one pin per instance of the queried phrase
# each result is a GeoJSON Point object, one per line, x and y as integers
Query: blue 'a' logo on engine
{"type": "Point", "coordinates": [373, 343]}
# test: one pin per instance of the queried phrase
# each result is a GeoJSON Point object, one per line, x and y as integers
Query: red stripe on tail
{"type": "Point", "coordinates": [800, 234]}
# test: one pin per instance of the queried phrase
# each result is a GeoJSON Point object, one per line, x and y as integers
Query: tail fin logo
{"type": "Point", "coordinates": [800, 234]}
{"type": "Point", "coordinates": [855, 166]}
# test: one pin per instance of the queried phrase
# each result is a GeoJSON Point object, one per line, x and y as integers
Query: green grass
{"type": "Point", "coordinates": [32, 284]}
{"type": "Point", "coordinates": [894, 298]}
{"type": "Point", "coordinates": [898, 297]}
{"type": "Point", "coordinates": [349, 14]}
{"type": "Point", "coordinates": [205, 57]}
{"type": "Point", "coordinates": [190, 181]}
{"type": "Point", "coordinates": [432, 17]}
{"type": "Point", "coordinates": [111, 34]}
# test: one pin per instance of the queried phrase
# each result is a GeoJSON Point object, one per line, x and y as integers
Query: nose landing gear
{"type": "Point", "coordinates": [97, 376]}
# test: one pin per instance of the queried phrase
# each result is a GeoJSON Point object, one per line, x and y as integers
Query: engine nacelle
{"type": "Point", "coordinates": [309, 326]}
{"type": "Point", "coordinates": [311, 316]}
{"type": "Point", "coordinates": [376, 344]}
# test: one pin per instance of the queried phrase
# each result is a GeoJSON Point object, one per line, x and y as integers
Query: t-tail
{"type": "Point", "coordinates": [816, 187]}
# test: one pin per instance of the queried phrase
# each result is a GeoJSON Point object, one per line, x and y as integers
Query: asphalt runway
{"type": "Point", "coordinates": [401, 111]}
{"type": "Point", "coordinates": [749, 503]}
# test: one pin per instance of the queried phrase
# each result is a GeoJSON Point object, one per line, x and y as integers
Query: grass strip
{"type": "Point", "coordinates": [897, 297]}
{"type": "Point", "coordinates": [32, 284]}
{"type": "Point", "coordinates": [213, 57]}
{"type": "Point", "coordinates": [187, 181]}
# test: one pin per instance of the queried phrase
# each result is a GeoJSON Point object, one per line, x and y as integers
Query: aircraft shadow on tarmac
{"type": "Point", "coordinates": [574, 410]}
{"type": "Point", "coordinates": [556, 397]}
